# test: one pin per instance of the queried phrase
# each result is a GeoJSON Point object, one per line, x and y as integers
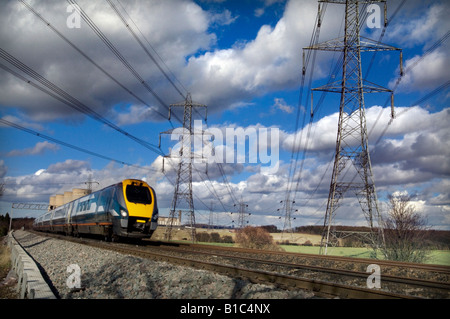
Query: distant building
{"type": "Point", "coordinates": [164, 221]}
{"type": "Point", "coordinates": [61, 199]}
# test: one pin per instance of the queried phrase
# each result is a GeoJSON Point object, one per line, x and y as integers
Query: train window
{"type": "Point", "coordinates": [138, 194]}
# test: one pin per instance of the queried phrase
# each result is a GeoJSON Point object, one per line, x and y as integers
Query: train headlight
{"type": "Point", "coordinates": [124, 213]}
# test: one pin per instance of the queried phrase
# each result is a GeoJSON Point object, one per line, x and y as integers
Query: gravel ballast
{"type": "Point", "coordinates": [111, 275]}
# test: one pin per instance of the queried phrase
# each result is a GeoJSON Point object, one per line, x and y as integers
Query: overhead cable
{"type": "Point", "coordinates": [69, 99]}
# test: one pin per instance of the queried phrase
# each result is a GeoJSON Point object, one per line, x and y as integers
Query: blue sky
{"type": "Point", "coordinates": [243, 59]}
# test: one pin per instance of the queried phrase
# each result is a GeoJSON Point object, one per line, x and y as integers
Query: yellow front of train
{"type": "Point", "coordinates": [142, 208]}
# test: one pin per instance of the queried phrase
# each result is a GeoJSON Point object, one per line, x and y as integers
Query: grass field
{"type": "Point", "coordinates": [440, 257]}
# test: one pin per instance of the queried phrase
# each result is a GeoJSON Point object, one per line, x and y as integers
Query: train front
{"type": "Point", "coordinates": [141, 213]}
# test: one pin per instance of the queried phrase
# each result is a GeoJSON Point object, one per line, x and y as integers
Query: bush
{"type": "Point", "coordinates": [213, 238]}
{"type": "Point", "coordinates": [227, 239]}
{"type": "Point", "coordinates": [307, 243]}
{"type": "Point", "coordinates": [255, 238]}
{"type": "Point", "coordinates": [203, 237]}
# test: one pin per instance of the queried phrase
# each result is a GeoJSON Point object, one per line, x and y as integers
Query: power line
{"type": "Point", "coordinates": [144, 48]}
{"type": "Point", "coordinates": [293, 167]}
{"type": "Point", "coordinates": [47, 23]}
{"type": "Point", "coordinates": [116, 52]}
{"type": "Point", "coordinates": [156, 52]}
{"type": "Point", "coordinates": [77, 148]}
{"type": "Point", "coordinates": [67, 98]}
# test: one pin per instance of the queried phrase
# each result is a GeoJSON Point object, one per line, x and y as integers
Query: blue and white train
{"type": "Point", "coordinates": [126, 209]}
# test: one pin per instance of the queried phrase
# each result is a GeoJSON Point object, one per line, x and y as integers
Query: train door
{"type": "Point", "coordinates": [68, 227]}
{"type": "Point", "coordinates": [104, 202]}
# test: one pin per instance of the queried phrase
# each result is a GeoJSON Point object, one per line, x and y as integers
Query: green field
{"type": "Point", "coordinates": [440, 257]}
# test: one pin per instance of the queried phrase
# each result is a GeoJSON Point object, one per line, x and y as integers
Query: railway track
{"type": "Point", "coordinates": [421, 274]}
{"type": "Point", "coordinates": [326, 276]}
{"type": "Point", "coordinates": [245, 256]}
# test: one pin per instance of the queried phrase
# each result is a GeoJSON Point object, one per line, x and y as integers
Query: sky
{"type": "Point", "coordinates": [243, 59]}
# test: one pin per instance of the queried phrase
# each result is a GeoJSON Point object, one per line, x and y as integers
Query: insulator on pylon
{"type": "Point", "coordinates": [401, 63]}
{"type": "Point", "coordinates": [304, 67]}
{"type": "Point", "coordinates": [392, 106]}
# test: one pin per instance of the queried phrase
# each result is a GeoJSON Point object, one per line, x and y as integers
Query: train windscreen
{"type": "Point", "coordinates": [138, 194]}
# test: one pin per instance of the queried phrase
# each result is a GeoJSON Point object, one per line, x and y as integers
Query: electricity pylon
{"type": "Point", "coordinates": [288, 208]}
{"type": "Point", "coordinates": [89, 183]}
{"type": "Point", "coordinates": [183, 184]}
{"type": "Point", "coordinates": [352, 170]}
{"type": "Point", "coordinates": [242, 220]}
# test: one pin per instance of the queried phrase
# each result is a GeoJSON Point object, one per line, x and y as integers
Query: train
{"type": "Point", "coordinates": [127, 209]}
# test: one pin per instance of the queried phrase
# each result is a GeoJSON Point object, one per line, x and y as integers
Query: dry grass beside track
{"type": "Point", "coordinates": [6, 291]}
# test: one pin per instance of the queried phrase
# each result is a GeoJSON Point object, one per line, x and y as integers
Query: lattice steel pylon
{"type": "Point", "coordinates": [183, 184]}
{"type": "Point", "coordinates": [242, 220]}
{"type": "Point", "coordinates": [288, 208]}
{"type": "Point", "coordinates": [352, 168]}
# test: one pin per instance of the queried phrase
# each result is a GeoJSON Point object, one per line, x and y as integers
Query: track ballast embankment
{"type": "Point", "coordinates": [324, 275]}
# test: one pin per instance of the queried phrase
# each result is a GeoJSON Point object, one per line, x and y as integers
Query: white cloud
{"type": "Point", "coordinates": [181, 33]}
{"type": "Point", "coordinates": [175, 28]}
{"type": "Point", "coordinates": [223, 18]}
{"type": "Point", "coordinates": [16, 120]}
{"type": "Point", "coordinates": [135, 114]}
{"type": "Point", "coordinates": [68, 166]}
{"type": "Point", "coordinates": [281, 104]}
{"type": "Point", "coordinates": [267, 63]}
{"type": "Point", "coordinates": [3, 169]}
{"type": "Point", "coordinates": [39, 172]}
{"type": "Point", "coordinates": [424, 73]}
{"type": "Point", "coordinates": [416, 24]}
{"type": "Point", "coordinates": [39, 149]}
{"type": "Point", "coordinates": [267, 3]}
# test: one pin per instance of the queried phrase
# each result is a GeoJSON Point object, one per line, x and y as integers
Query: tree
{"type": "Point", "coordinates": [4, 224]}
{"type": "Point", "coordinates": [405, 231]}
{"type": "Point", "coordinates": [255, 238]}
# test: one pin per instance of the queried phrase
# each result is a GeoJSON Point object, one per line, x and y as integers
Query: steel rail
{"type": "Point", "coordinates": [289, 281]}
{"type": "Point", "coordinates": [390, 263]}
{"type": "Point", "coordinates": [319, 287]}
{"type": "Point", "coordinates": [423, 283]}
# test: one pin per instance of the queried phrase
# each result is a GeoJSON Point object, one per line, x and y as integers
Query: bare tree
{"type": "Point", "coordinates": [255, 238]}
{"type": "Point", "coordinates": [405, 231]}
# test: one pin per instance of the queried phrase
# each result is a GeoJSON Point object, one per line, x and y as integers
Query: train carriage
{"type": "Point", "coordinates": [126, 209]}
